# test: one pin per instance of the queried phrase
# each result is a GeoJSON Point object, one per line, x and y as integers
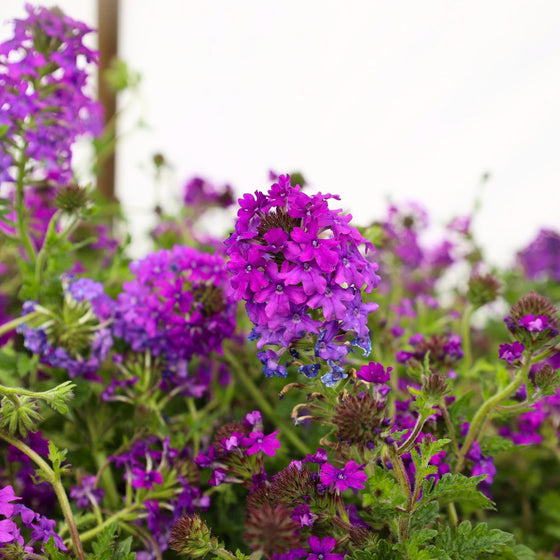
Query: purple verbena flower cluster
{"type": "Point", "coordinates": [147, 465]}
{"type": "Point", "coordinates": [177, 307]}
{"type": "Point", "coordinates": [541, 258]}
{"type": "Point", "coordinates": [229, 457]}
{"type": "Point", "coordinates": [199, 194]}
{"type": "Point", "coordinates": [43, 87]}
{"type": "Point", "coordinates": [299, 267]}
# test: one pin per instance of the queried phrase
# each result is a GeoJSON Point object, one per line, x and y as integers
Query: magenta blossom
{"type": "Point", "coordinates": [511, 352]}
{"type": "Point", "coordinates": [374, 373]}
{"type": "Point", "coordinates": [320, 549]}
{"type": "Point", "coordinates": [351, 476]}
{"type": "Point", "coordinates": [257, 441]}
{"type": "Point", "coordinates": [146, 479]}
{"type": "Point", "coordinates": [7, 495]}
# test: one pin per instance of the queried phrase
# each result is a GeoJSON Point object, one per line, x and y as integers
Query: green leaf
{"type": "Point", "coordinates": [469, 542]}
{"type": "Point", "coordinates": [54, 553]}
{"type": "Point", "coordinates": [423, 516]}
{"type": "Point", "coordinates": [491, 445]}
{"type": "Point", "coordinates": [57, 456]}
{"type": "Point", "coordinates": [385, 494]}
{"type": "Point", "coordinates": [456, 488]}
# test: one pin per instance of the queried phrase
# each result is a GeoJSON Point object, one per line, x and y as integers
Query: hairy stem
{"type": "Point", "coordinates": [58, 488]}
{"type": "Point", "coordinates": [486, 408]}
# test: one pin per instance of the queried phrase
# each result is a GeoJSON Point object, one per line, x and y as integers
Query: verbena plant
{"type": "Point", "coordinates": [302, 389]}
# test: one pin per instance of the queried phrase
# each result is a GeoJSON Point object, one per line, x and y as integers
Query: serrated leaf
{"type": "Point", "coordinates": [469, 542]}
{"type": "Point", "coordinates": [385, 494]}
{"type": "Point", "coordinates": [423, 516]}
{"type": "Point", "coordinates": [121, 550]}
{"type": "Point", "coordinates": [456, 488]}
{"type": "Point", "coordinates": [102, 546]}
{"type": "Point", "coordinates": [56, 457]}
{"type": "Point", "coordinates": [491, 445]}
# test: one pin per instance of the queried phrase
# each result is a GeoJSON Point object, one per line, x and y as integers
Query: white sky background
{"type": "Point", "coordinates": [369, 99]}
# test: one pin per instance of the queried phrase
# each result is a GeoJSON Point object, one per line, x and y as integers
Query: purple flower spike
{"type": "Point", "coordinates": [301, 269]}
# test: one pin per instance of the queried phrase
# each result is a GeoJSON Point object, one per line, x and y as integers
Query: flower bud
{"type": "Point", "coordinates": [71, 198]}
{"type": "Point", "coordinates": [547, 379]}
{"type": "Point", "coordinates": [435, 386]}
{"type": "Point", "coordinates": [191, 536]}
{"type": "Point", "coordinates": [483, 289]}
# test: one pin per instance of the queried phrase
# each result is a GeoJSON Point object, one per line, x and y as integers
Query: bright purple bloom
{"type": "Point", "coordinates": [257, 441]}
{"type": "Point", "coordinates": [46, 104]}
{"type": "Point", "coordinates": [320, 549]}
{"type": "Point", "coordinates": [374, 373]}
{"type": "Point", "coordinates": [351, 476]}
{"type": "Point", "coordinates": [7, 495]}
{"type": "Point", "coordinates": [177, 306]}
{"type": "Point", "coordinates": [8, 531]}
{"type": "Point", "coordinates": [511, 352]}
{"type": "Point", "coordinates": [145, 479]}
{"type": "Point", "coordinates": [536, 324]}
{"type": "Point", "coordinates": [301, 270]}
{"type": "Point", "coordinates": [541, 258]}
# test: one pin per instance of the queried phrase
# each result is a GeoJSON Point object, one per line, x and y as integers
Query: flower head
{"type": "Point", "coordinates": [350, 476]}
{"type": "Point", "coordinates": [299, 266]}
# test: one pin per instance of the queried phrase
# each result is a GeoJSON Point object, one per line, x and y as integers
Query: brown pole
{"type": "Point", "coordinates": [108, 27]}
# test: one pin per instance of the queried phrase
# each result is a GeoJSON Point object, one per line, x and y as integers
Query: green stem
{"type": "Point", "coordinates": [453, 518]}
{"type": "Point", "coordinates": [466, 336]}
{"type": "Point", "coordinates": [58, 488]}
{"type": "Point", "coordinates": [486, 408]}
{"type": "Point", "coordinates": [404, 483]}
{"type": "Point", "coordinates": [263, 404]}
{"type": "Point", "coordinates": [11, 325]}
{"type": "Point", "coordinates": [44, 251]}
{"type": "Point", "coordinates": [409, 443]}
{"type": "Point", "coordinates": [127, 514]}
{"type": "Point", "coordinates": [449, 426]}
{"type": "Point", "coordinates": [22, 228]}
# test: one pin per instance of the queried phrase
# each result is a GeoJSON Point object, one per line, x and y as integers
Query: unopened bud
{"type": "Point", "coordinates": [435, 386]}
{"type": "Point", "coordinates": [547, 379]}
{"type": "Point", "coordinates": [191, 536]}
{"type": "Point", "coordinates": [483, 289]}
{"type": "Point", "coordinates": [71, 198]}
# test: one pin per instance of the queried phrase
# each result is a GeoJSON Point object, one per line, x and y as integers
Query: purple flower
{"type": "Point", "coordinates": [145, 479]}
{"type": "Point", "coordinates": [8, 531]}
{"type": "Point", "coordinates": [541, 258]}
{"type": "Point", "coordinates": [351, 476]}
{"type": "Point", "coordinates": [257, 441]}
{"type": "Point", "coordinates": [374, 373]}
{"type": "Point", "coordinates": [75, 338]}
{"type": "Point", "coordinates": [334, 375]}
{"type": "Point", "coordinates": [536, 323]}
{"type": "Point", "coordinates": [44, 90]}
{"type": "Point", "coordinates": [511, 352]}
{"type": "Point", "coordinates": [87, 494]}
{"type": "Point", "coordinates": [7, 495]}
{"type": "Point", "coordinates": [177, 306]}
{"type": "Point", "coordinates": [320, 549]}
{"type": "Point", "coordinates": [300, 268]}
